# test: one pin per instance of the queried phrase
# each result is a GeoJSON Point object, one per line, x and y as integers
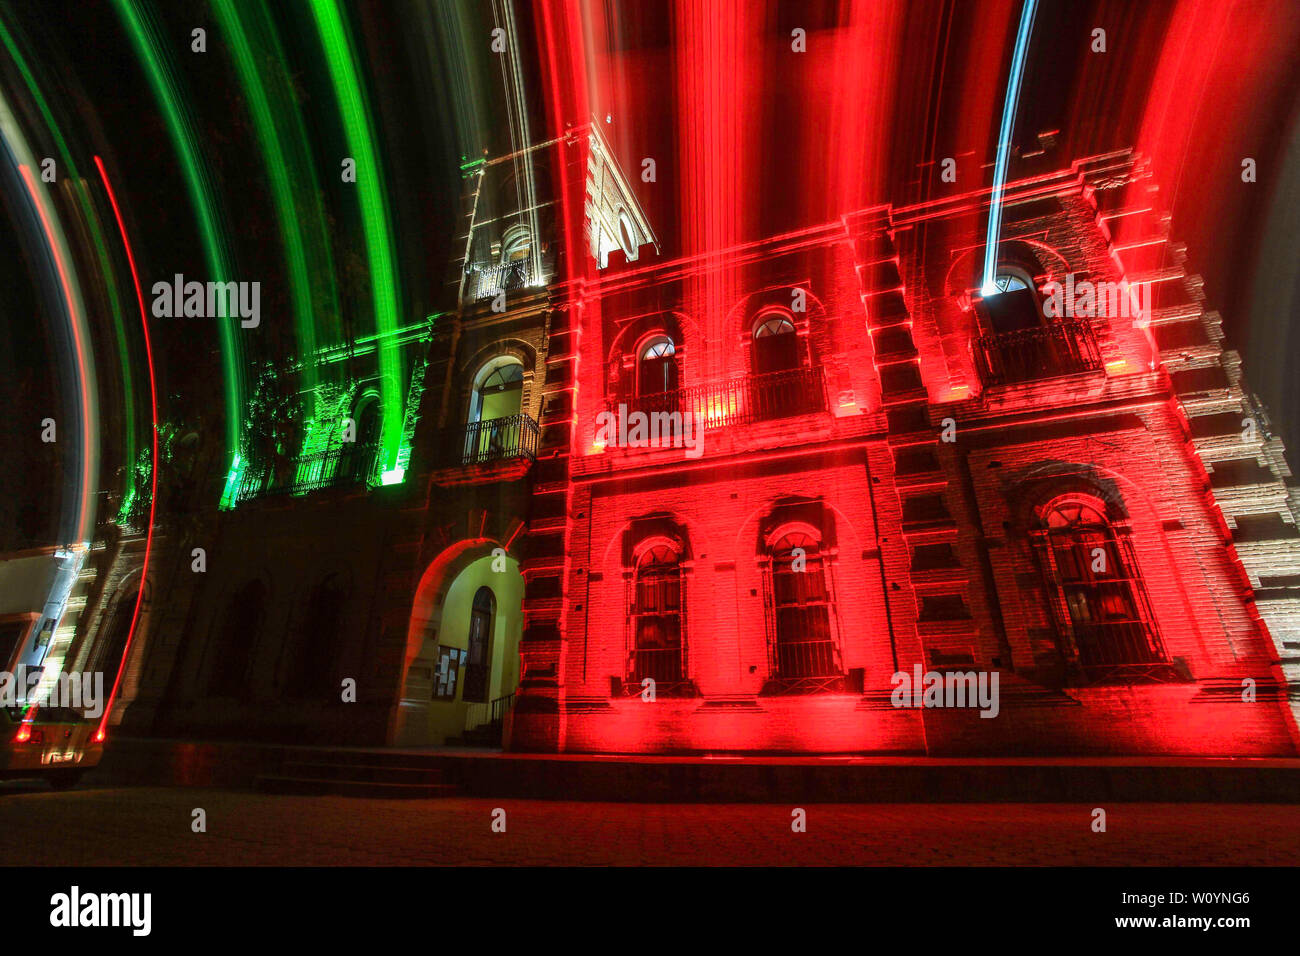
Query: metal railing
{"type": "Point", "coordinates": [739, 401]}
{"type": "Point", "coordinates": [663, 665]}
{"type": "Point", "coordinates": [795, 660]}
{"type": "Point", "coordinates": [1027, 355]}
{"type": "Point", "coordinates": [499, 439]}
{"type": "Point", "coordinates": [350, 464]}
{"type": "Point", "coordinates": [1113, 643]}
{"type": "Point", "coordinates": [489, 713]}
{"type": "Point", "coordinates": [486, 281]}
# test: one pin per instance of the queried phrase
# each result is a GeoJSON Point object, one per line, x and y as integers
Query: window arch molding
{"type": "Point", "coordinates": [516, 244]}
{"type": "Point", "coordinates": [1107, 631]}
{"type": "Point", "coordinates": [656, 637]}
{"type": "Point", "coordinates": [656, 364]}
{"type": "Point", "coordinates": [794, 528]}
{"type": "Point", "coordinates": [801, 613]}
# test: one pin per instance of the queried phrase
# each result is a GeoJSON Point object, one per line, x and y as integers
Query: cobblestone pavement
{"type": "Point", "coordinates": [144, 826]}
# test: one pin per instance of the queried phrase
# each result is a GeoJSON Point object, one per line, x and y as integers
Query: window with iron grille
{"type": "Point", "coordinates": [658, 634]}
{"type": "Point", "coordinates": [803, 650]}
{"type": "Point", "coordinates": [1103, 611]}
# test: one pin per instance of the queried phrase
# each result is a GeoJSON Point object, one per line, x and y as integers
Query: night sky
{"type": "Point", "coordinates": [433, 99]}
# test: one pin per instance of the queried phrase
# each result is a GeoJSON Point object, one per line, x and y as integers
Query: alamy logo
{"type": "Point", "coordinates": [84, 692]}
{"type": "Point", "coordinates": [638, 429]}
{"type": "Point", "coordinates": [208, 300]}
{"type": "Point", "coordinates": [946, 689]}
{"type": "Point", "coordinates": [74, 908]}
{"type": "Point", "coordinates": [1087, 300]}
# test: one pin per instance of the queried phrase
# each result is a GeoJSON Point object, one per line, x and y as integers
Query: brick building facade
{"type": "Point", "coordinates": [892, 471]}
{"type": "Point", "coordinates": [951, 467]}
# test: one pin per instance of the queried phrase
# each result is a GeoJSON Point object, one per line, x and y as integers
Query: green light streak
{"type": "Point", "coordinates": [336, 42]}
{"type": "Point", "coordinates": [277, 169]}
{"type": "Point", "coordinates": [288, 161]}
{"type": "Point", "coordinates": [152, 55]}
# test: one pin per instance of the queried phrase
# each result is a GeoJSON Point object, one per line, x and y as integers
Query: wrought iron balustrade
{"type": "Point", "coordinates": [1027, 355]}
{"type": "Point", "coordinates": [799, 659]}
{"type": "Point", "coordinates": [486, 281]}
{"type": "Point", "coordinates": [499, 439]}
{"type": "Point", "coordinates": [663, 665]}
{"type": "Point", "coordinates": [349, 464]}
{"type": "Point", "coordinates": [739, 401]}
{"type": "Point", "coordinates": [489, 713]}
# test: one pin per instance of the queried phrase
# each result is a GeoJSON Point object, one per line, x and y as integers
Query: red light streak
{"type": "Point", "coordinates": [153, 490]}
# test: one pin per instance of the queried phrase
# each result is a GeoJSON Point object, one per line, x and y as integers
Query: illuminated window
{"type": "Point", "coordinates": [1014, 306]}
{"type": "Point", "coordinates": [498, 389]}
{"type": "Point", "coordinates": [497, 427]}
{"type": "Point", "coordinates": [657, 367]}
{"type": "Point", "coordinates": [776, 346]}
{"type": "Point", "coordinates": [1107, 626]}
{"type": "Point", "coordinates": [658, 648]}
{"type": "Point", "coordinates": [1006, 282]}
{"type": "Point", "coordinates": [803, 652]}
{"type": "Point", "coordinates": [516, 244]}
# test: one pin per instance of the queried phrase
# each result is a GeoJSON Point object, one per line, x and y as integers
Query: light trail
{"type": "Point", "coordinates": [184, 138]}
{"type": "Point", "coordinates": [336, 42]}
{"type": "Point", "coordinates": [1026, 29]}
{"type": "Point", "coordinates": [153, 490]}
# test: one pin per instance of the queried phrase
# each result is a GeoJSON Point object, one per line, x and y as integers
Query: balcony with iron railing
{"type": "Point", "coordinates": [1119, 652]}
{"type": "Point", "coordinates": [1034, 354]}
{"type": "Point", "coordinates": [739, 401]}
{"type": "Point", "coordinates": [349, 464]}
{"type": "Point", "coordinates": [505, 439]}
{"type": "Point", "coordinates": [485, 280]}
{"type": "Point", "coordinates": [666, 666]}
{"type": "Point", "coordinates": [804, 667]}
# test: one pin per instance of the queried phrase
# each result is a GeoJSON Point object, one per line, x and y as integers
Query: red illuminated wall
{"type": "Point", "coordinates": [890, 330]}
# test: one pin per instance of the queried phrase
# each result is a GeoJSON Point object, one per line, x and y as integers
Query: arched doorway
{"type": "Point", "coordinates": [478, 656]}
{"type": "Point", "coordinates": [230, 648]}
{"type": "Point", "coordinates": [107, 657]}
{"type": "Point", "coordinates": [312, 668]}
{"type": "Point", "coordinates": [462, 644]}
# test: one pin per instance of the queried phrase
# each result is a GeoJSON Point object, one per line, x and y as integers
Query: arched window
{"type": "Point", "coordinates": [231, 648]}
{"type": "Point", "coordinates": [776, 344]}
{"type": "Point", "coordinates": [313, 662]}
{"type": "Point", "coordinates": [478, 660]}
{"type": "Point", "coordinates": [359, 455]}
{"type": "Point", "coordinates": [495, 427]}
{"type": "Point", "coordinates": [498, 389]}
{"type": "Point", "coordinates": [1106, 623]}
{"type": "Point", "coordinates": [657, 367]}
{"type": "Point", "coordinates": [658, 646]}
{"type": "Point", "coordinates": [516, 244]}
{"type": "Point", "coordinates": [803, 650]}
{"type": "Point", "coordinates": [1011, 304]}
{"type": "Point", "coordinates": [1009, 282]}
